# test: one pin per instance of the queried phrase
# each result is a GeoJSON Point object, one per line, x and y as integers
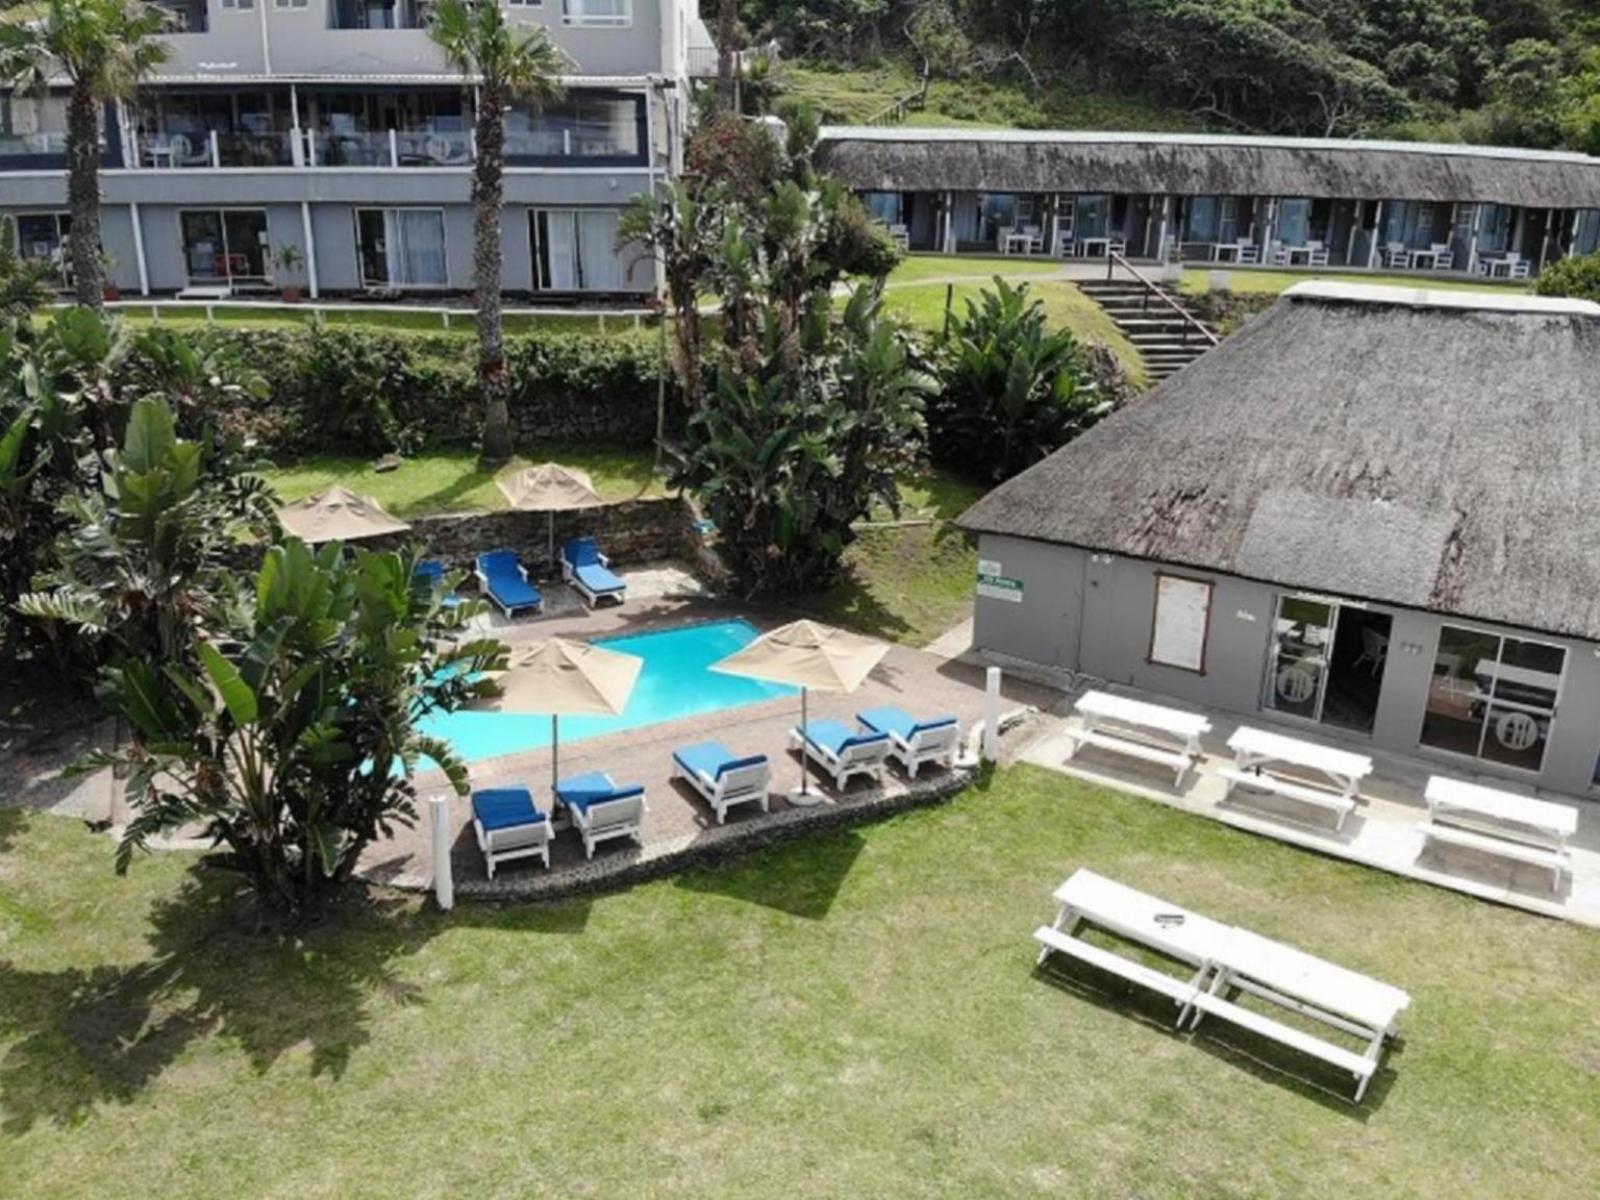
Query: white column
{"type": "Point", "coordinates": [216, 152]}
{"type": "Point", "coordinates": [947, 242]}
{"type": "Point", "coordinates": [1355, 228]}
{"type": "Point", "coordinates": [297, 149]}
{"type": "Point", "coordinates": [1544, 242]}
{"type": "Point", "coordinates": [991, 715]}
{"type": "Point", "coordinates": [138, 249]}
{"type": "Point", "coordinates": [394, 148]}
{"type": "Point", "coordinates": [1166, 221]}
{"type": "Point", "coordinates": [1377, 237]}
{"type": "Point", "coordinates": [311, 248]}
{"type": "Point", "coordinates": [444, 884]}
{"type": "Point", "coordinates": [1472, 246]}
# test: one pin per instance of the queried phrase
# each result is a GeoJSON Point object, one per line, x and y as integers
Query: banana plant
{"type": "Point", "coordinates": [293, 740]}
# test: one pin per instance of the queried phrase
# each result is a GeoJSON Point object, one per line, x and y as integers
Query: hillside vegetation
{"type": "Point", "coordinates": [1509, 72]}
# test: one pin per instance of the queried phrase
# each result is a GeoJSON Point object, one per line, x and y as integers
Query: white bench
{"type": "Point", "coordinates": [1182, 728]}
{"type": "Point", "coordinates": [1500, 823]}
{"type": "Point", "coordinates": [1254, 749]}
{"type": "Point", "coordinates": [1358, 1065]}
{"type": "Point", "coordinates": [1181, 992]}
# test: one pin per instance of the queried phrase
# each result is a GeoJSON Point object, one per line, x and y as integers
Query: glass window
{"type": "Point", "coordinates": [1493, 697]}
{"type": "Point", "coordinates": [1294, 221]}
{"type": "Point", "coordinates": [1203, 218]}
{"type": "Point", "coordinates": [885, 207]}
{"type": "Point", "coordinates": [1494, 228]}
{"type": "Point", "coordinates": [225, 246]}
{"type": "Point", "coordinates": [1089, 220]}
{"type": "Point", "coordinates": [575, 250]}
{"type": "Point", "coordinates": [996, 211]}
{"type": "Point", "coordinates": [33, 124]}
{"type": "Point", "coordinates": [1301, 638]}
{"type": "Point", "coordinates": [401, 247]}
{"type": "Point", "coordinates": [1586, 232]}
{"type": "Point", "coordinates": [42, 237]}
{"type": "Point", "coordinates": [597, 12]}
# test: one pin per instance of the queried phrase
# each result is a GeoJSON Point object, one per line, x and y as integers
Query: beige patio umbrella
{"type": "Point", "coordinates": [807, 655]}
{"type": "Point", "coordinates": [338, 515]}
{"type": "Point", "coordinates": [564, 678]}
{"type": "Point", "coordinates": [550, 488]}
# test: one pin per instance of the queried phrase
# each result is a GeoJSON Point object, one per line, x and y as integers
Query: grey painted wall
{"type": "Point", "coordinates": [289, 41]}
{"type": "Point", "coordinates": [1092, 613]}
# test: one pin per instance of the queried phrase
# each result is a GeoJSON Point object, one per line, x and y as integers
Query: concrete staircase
{"type": "Point", "coordinates": [1164, 338]}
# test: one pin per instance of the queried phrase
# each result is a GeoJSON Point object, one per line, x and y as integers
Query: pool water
{"type": "Point", "coordinates": [673, 683]}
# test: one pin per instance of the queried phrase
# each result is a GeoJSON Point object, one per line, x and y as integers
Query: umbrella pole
{"type": "Point", "coordinates": [550, 551]}
{"type": "Point", "coordinates": [555, 755]}
{"type": "Point", "coordinates": [805, 774]}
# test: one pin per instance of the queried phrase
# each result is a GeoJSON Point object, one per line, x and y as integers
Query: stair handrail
{"type": "Point", "coordinates": [1114, 260]}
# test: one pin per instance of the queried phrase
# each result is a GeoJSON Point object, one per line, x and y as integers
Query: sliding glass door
{"type": "Point", "coordinates": [1327, 662]}
{"type": "Point", "coordinates": [1493, 697]}
{"type": "Point", "coordinates": [575, 250]}
{"type": "Point", "coordinates": [225, 246]}
{"type": "Point", "coordinates": [401, 247]}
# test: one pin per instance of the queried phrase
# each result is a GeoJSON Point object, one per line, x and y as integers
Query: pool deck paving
{"type": "Point", "coordinates": [680, 827]}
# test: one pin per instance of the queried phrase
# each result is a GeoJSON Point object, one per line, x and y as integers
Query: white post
{"type": "Point", "coordinates": [311, 248]}
{"type": "Point", "coordinates": [444, 886]}
{"type": "Point", "coordinates": [138, 250]}
{"type": "Point", "coordinates": [394, 148]}
{"type": "Point", "coordinates": [991, 715]}
{"type": "Point", "coordinates": [1377, 237]}
{"type": "Point", "coordinates": [216, 153]}
{"type": "Point", "coordinates": [1472, 246]}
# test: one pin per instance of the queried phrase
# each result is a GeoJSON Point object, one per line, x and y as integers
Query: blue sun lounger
{"type": "Point", "coordinates": [509, 825]}
{"type": "Point", "coordinates": [600, 809]}
{"type": "Point", "coordinates": [430, 573]}
{"type": "Point", "coordinates": [911, 742]}
{"type": "Point", "coordinates": [585, 568]}
{"type": "Point", "coordinates": [505, 581]}
{"type": "Point", "coordinates": [723, 777]}
{"type": "Point", "coordinates": [841, 751]}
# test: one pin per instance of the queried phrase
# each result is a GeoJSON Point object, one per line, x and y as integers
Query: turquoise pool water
{"type": "Point", "coordinates": [673, 683]}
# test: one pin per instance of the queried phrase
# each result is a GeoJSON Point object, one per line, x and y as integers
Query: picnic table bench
{"type": "Point", "coordinates": [1256, 749]}
{"type": "Point", "coordinates": [1150, 724]}
{"type": "Point", "coordinates": [1236, 961]}
{"type": "Point", "coordinates": [1500, 823]}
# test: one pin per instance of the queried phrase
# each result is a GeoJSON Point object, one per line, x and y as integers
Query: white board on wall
{"type": "Point", "coordinates": [1178, 631]}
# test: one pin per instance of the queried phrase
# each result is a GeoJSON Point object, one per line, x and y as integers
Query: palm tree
{"type": "Point", "coordinates": [509, 63]}
{"type": "Point", "coordinates": [103, 48]}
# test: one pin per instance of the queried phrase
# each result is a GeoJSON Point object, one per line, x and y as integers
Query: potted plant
{"type": "Point", "coordinates": [288, 260]}
{"type": "Point", "coordinates": [108, 286]}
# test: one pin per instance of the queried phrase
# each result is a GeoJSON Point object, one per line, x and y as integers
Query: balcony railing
{"type": "Point", "coordinates": [217, 149]}
{"type": "Point", "coordinates": [48, 142]}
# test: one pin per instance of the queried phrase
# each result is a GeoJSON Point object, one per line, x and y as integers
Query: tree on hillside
{"type": "Point", "coordinates": [104, 48]}
{"type": "Point", "coordinates": [511, 63]}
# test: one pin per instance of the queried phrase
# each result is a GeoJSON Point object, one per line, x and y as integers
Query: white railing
{"type": "Point", "coordinates": [449, 318]}
{"type": "Point", "coordinates": [218, 149]}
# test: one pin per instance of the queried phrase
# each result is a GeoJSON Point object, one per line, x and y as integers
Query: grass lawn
{"type": "Point", "coordinates": [909, 583]}
{"type": "Point", "coordinates": [922, 304]}
{"type": "Point", "coordinates": [1272, 282]}
{"type": "Point", "coordinates": [450, 480]}
{"type": "Point", "coordinates": [922, 268]}
{"type": "Point", "coordinates": [858, 1011]}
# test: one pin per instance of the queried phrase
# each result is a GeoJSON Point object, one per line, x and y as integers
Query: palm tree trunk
{"type": "Point", "coordinates": [83, 194]}
{"type": "Point", "coordinates": [488, 186]}
{"type": "Point", "coordinates": [727, 31]}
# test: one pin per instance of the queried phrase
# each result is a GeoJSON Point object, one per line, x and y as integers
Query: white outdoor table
{"type": "Point", "coordinates": [1255, 749]}
{"type": "Point", "coordinates": [1139, 917]}
{"type": "Point", "coordinates": [1446, 797]}
{"type": "Point", "coordinates": [1418, 255]}
{"type": "Point", "coordinates": [1184, 727]}
{"type": "Point", "coordinates": [1095, 247]}
{"type": "Point", "coordinates": [1527, 677]}
{"type": "Point", "coordinates": [1014, 240]}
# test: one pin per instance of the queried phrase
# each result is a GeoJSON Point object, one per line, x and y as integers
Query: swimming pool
{"type": "Point", "coordinates": [673, 683]}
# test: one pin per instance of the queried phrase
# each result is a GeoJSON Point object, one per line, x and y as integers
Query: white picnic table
{"type": "Point", "coordinates": [1417, 256]}
{"type": "Point", "coordinates": [1527, 677]}
{"type": "Point", "coordinates": [1094, 247]}
{"type": "Point", "coordinates": [1501, 823]}
{"type": "Point", "coordinates": [1256, 750]}
{"type": "Point", "coordinates": [1010, 243]}
{"type": "Point", "coordinates": [1237, 960]}
{"type": "Point", "coordinates": [1184, 730]}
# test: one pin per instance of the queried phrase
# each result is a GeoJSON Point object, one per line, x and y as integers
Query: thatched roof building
{"type": "Point", "coordinates": [1434, 450]}
{"type": "Point", "coordinates": [913, 159]}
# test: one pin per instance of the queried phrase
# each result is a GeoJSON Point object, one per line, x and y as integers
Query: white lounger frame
{"type": "Point", "coordinates": [936, 745]}
{"type": "Point", "coordinates": [863, 758]}
{"type": "Point", "coordinates": [514, 841]}
{"type": "Point", "coordinates": [609, 819]}
{"type": "Point", "coordinates": [742, 785]}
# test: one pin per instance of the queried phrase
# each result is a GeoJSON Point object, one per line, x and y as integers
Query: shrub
{"type": "Point", "coordinates": [1013, 393]}
{"type": "Point", "coordinates": [1578, 277]}
{"type": "Point", "coordinates": [338, 390]}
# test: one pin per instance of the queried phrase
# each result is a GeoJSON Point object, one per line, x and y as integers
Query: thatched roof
{"type": "Point", "coordinates": [912, 159]}
{"type": "Point", "coordinates": [1434, 450]}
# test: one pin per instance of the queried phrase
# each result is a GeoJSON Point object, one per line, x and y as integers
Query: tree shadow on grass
{"type": "Point", "coordinates": [12, 822]}
{"type": "Point", "coordinates": [802, 879]}
{"type": "Point", "coordinates": [82, 1038]}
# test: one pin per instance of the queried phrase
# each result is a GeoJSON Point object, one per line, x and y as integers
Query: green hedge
{"type": "Point", "coordinates": [364, 391]}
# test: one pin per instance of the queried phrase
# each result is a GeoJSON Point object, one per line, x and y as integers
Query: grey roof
{"type": "Point", "coordinates": [915, 159]}
{"type": "Point", "coordinates": [1434, 450]}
